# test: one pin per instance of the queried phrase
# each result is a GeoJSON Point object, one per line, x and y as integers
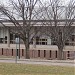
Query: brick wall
{"type": "Point", "coordinates": [41, 54]}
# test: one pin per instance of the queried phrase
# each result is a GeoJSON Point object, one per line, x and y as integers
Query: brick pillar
{"type": "Point", "coordinates": [14, 52]}
{"type": "Point", "coordinates": [64, 53]}
{"type": "Point", "coordinates": [10, 52]}
{"type": "Point", "coordinates": [72, 55]}
{"type": "Point", "coordinates": [47, 54]}
{"type": "Point", "coordinates": [53, 55]}
{"type": "Point", "coordinates": [0, 51]}
{"type": "Point", "coordinates": [24, 53]}
{"type": "Point", "coordinates": [7, 52]}
{"type": "Point", "coordinates": [4, 52]}
{"type": "Point", "coordinates": [41, 53]}
{"type": "Point", "coordinates": [30, 53]}
{"type": "Point", "coordinates": [35, 53]}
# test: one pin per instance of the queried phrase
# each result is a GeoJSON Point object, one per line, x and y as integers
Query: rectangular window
{"type": "Point", "coordinates": [67, 43]}
{"type": "Point", "coordinates": [38, 53]}
{"type": "Point", "coordinates": [50, 53]}
{"type": "Point", "coordinates": [68, 54]}
{"type": "Point", "coordinates": [12, 52]}
{"type": "Point", "coordinates": [44, 53]}
{"type": "Point", "coordinates": [11, 36]}
{"type": "Point", "coordinates": [1, 40]}
{"type": "Point", "coordinates": [2, 51]}
{"type": "Point", "coordinates": [41, 41]}
{"type": "Point", "coordinates": [56, 54]}
{"type": "Point", "coordinates": [37, 43]}
{"type": "Point", "coordinates": [5, 39]}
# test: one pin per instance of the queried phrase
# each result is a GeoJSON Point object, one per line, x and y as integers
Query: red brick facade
{"type": "Point", "coordinates": [41, 54]}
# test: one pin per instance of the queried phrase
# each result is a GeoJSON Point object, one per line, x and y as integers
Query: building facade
{"type": "Point", "coordinates": [42, 47]}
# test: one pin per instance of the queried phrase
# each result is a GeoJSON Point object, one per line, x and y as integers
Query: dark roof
{"type": "Point", "coordinates": [39, 20]}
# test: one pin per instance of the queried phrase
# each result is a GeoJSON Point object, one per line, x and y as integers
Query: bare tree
{"type": "Point", "coordinates": [59, 20]}
{"type": "Point", "coordinates": [27, 11]}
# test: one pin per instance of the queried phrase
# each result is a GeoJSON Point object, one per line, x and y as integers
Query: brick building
{"type": "Point", "coordinates": [45, 47]}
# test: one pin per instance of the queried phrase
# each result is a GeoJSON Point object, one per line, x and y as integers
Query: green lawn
{"type": "Point", "coordinates": [23, 69]}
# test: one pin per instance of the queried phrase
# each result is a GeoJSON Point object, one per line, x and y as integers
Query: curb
{"type": "Point", "coordinates": [41, 60]}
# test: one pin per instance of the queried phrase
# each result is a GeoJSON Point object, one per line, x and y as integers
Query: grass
{"type": "Point", "coordinates": [23, 69]}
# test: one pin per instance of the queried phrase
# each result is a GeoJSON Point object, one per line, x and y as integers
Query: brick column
{"type": "Point", "coordinates": [64, 53]}
{"type": "Point", "coordinates": [53, 55]}
{"type": "Point", "coordinates": [35, 53]}
{"type": "Point", "coordinates": [41, 53]}
{"type": "Point", "coordinates": [47, 54]}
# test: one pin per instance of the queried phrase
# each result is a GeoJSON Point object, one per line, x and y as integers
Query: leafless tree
{"type": "Point", "coordinates": [59, 20]}
{"type": "Point", "coordinates": [27, 11]}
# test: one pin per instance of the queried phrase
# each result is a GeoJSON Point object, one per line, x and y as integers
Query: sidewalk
{"type": "Point", "coordinates": [69, 63]}
{"type": "Point", "coordinates": [41, 60]}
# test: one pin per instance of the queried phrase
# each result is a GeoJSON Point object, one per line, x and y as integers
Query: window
{"type": "Point", "coordinates": [68, 54]}
{"type": "Point", "coordinates": [12, 52]}
{"type": "Point", "coordinates": [67, 43]}
{"type": "Point", "coordinates": [56, 54]}
{"type": "Point", "coordinates": [37, 43]}
{"type": "Point", "coordinates": [54, 43]}
{"type": "Point", "coordinates": [53, 40]}
{"type": "Point", "coordinates": [2, 51]}
{"type": "Point", "coordinates": [44, 53]}
{"type": "Point", "coordinates": [40, 41]}
{"type": "Point", "coordinates": [1, 40]}
{"type": "Point", "coordinates": [11, 36]}
{"type": "Point", "coordinates": [50, 53]}
{"type": "Point", "coordinates": [43, 43]}
{"type": "Point", "coordinates": [43, 39]}
{"type": "Point", "coordinates": [5, 39]}
{"type": "Point", "coordinates": [38, 53]}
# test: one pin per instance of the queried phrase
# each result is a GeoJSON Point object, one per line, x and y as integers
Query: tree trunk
{"type": "Point", "coordinates": [27, 49]}
{"type": "Point", "coordinates": [60, 54]}
{"type": "Point", "coordinates": [27, 53]}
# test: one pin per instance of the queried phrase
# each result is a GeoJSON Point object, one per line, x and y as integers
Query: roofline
{"type": "Point", "coordinates": [40, 20]}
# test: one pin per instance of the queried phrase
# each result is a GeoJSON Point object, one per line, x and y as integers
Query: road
{"type": "Point", "coordinates": [70, 63]}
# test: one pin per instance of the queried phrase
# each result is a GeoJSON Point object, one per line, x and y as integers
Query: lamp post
{"type": "Point", "coordinates": [17, 47]}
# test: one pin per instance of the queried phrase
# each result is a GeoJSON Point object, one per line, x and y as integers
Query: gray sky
{"type": "Point", "coordinates": [6, 1]}
{"type": "Point", "coordinates": [2, 1]}
{"type": "Point", "coordinates": [63, 2]}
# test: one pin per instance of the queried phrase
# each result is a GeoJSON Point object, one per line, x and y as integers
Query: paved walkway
{"type": "Point", "coordinates": [70, 63]}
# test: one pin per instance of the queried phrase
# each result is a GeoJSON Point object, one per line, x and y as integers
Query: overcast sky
{"type": "Point", "coordinates": [6, 1]}
{"type": "Point", "coordinates": [63, 2]}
